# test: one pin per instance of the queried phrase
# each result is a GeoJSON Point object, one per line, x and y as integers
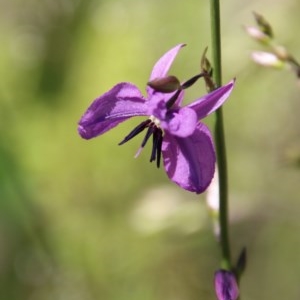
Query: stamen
{"type": "Point", "coordinates": [138, 152]}
{"type": "Point", "coordinates": [156, 146]}
{"type": "Point", "coordinates": [154, 130]}
{"type": "Point", "coordinates": [135, 131]}
{"type": "Point", "coordinates": [150, 130]}
{"type": "Point", "coordinates": [172, 100]}
{"type": "Point", "coordinates": [186, 85]}
{"type": "Point", "coordinates": [191, 81]}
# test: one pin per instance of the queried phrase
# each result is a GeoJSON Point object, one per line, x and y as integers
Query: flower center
{"type": "Point", "coordinates": [163, 85]}
{"type": "Point", "coordinates": [155, 120]}
{"type": "Point", "coordinates": [157, 137]}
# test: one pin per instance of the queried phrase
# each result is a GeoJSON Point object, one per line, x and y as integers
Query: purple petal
{"type": "Point", "coordinates": [160, 70]}
{"type": "Point", "coordinates": [212, 101]}
{"type": "Point", "coordinates": [181, 123]}
{"type": "Point", "coordinates": [190, 161]}
{"type": "Point", "coordinates": [123, 101]}
{"type": "Point", "coordinates": [226, 286]}
{"type": "Point", "coordinates": [163, 65]}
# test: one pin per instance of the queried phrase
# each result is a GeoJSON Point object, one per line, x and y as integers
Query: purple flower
{"type": "Point", "coordinates": [185, 144]}
{"type": "Point", "coordinates": [226, 286]}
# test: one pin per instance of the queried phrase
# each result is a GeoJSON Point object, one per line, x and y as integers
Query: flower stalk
{"type": "Point", "coordinates": [220, 138]}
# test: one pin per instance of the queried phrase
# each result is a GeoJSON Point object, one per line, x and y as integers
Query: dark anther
{"type": "Point", "coordinates": [150, 131]}
{"type": "Point", "coordinates": [156, 147]}
{"type": "Point", "coordinates": [136, 131]}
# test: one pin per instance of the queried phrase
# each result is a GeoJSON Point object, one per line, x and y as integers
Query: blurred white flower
{"type": "Point", "coordinates": [212, 200]}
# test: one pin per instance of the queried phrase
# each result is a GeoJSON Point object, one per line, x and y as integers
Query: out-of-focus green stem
{"type": "Point", "coordinates": [220, 137]}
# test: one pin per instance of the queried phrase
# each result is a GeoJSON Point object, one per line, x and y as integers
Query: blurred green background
{"type": "Point", "coordinates": [83, 219]}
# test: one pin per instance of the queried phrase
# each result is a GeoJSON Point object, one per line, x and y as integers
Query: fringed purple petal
{"type": "Point", "coordinates": [123, 101]}
{"type": "Point", "coordinates": [212, 101]}
{"type": "Point", "coordinates": [190, 161]}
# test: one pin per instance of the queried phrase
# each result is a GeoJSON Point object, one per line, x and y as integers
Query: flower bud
{"type": "Point", "coordinates": [205, 63]}
{"type": "Point", "coordinates": [281, 52]}
{"type": "Point", "coordinates": [207, 69]}
{"type": "Point", "coordinates": [267, 59]}
{"type": "Point", "coordinates": [226, 286]}
{"type": "Point", "coordinates": [263, 25]}
{"type": "Point", "coordinates": [212, 200]}
{"type": "Point", "coordinates": [257, 34]}
{"type": "Point", "coordinates": [166, 84]}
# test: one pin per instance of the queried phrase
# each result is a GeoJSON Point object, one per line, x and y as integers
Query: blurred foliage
{"type": "Point", "coordinates": [83, 219]}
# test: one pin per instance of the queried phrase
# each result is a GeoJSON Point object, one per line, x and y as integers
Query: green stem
{"type": "Point", "coordinates": [220, 137]}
